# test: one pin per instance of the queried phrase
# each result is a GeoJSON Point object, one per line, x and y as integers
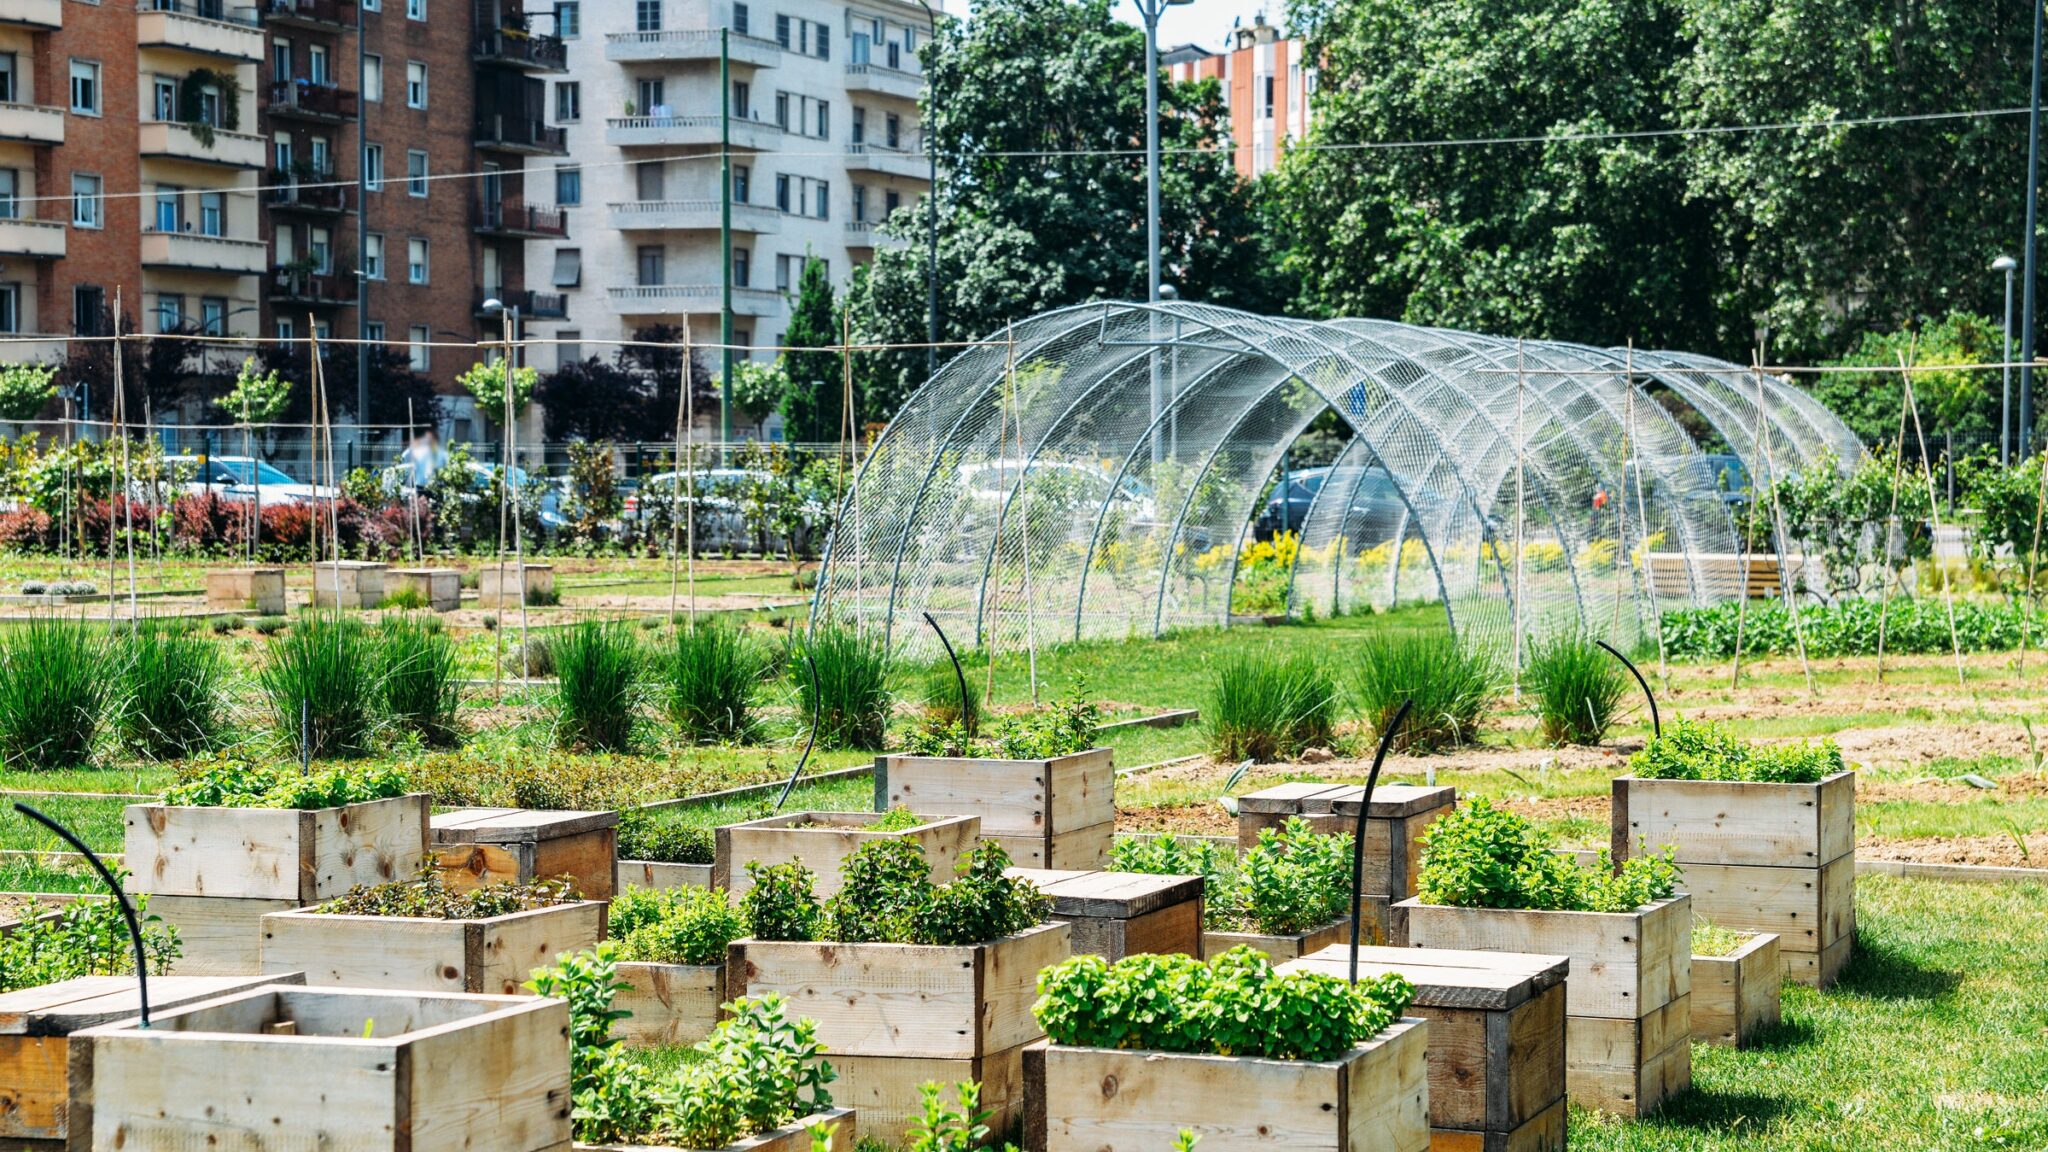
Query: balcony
{"type": "Point", "coordinates": [35, 239]}
{"type": "Point", "coordinates": [32, 13]}
{"type": "Point", "coordinates": [311, 289]}
{"type": "Point", "coordinates": [532, 305]}
{"type": "Point", "coordinates": [520, 134]}
{"type": "Point", "coordinates": [866, 235]}
{"type": "Point", "coordinates": [886, 161]}
{"type": "Point", "coordinates": [313, 193]}
{"type": "Point", "coordinates": [689, 216]}
{"type": "Point", "coordinates": [512, 218]}
{"type": "Point", "coordinates": [884, 81]}
{"type": "Point", "coordinates": [192, 252]}
{"type": "Point", "coordinates": [676, 299]}
{"type": "Point", "coordinates": [34, 347]}
{"type": "Point", "coordinates": [518, 48]}
{"type": "Point", "coordinates": [675, 44]}
{"type": "Point", "coordinates": [205, 27]}
{"type": "Point", "coordinates": [31, 124]}
{"type": "Point", "coordinates": [684, 131]}
{"type": "Point", "coordinates": [323, 15]}
{"type": "Point", "coordinates": [299, 100]}
{"type": "Point", "coordinates": [177, 140]}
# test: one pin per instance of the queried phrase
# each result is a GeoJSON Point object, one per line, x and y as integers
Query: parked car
{"type": "Point", "coordinates": [1286, 509]}
{"type": "Point", "coordinates": [243, 478]}
{"type": "Point", "coordinates": [397, 477]}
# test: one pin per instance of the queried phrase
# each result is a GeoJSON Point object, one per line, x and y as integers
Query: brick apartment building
{"type": "Point", "coordinates": [1266, 89]}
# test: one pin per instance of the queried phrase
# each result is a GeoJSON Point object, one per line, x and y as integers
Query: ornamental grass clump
{"type": "Point", "coordinates": [170, 690]}
{"type": "Point", "coordinates": [54, 691]}
{"type": "Point", "coordinates": [1479, 856]}
{"type": "Point", "coordinates": [710, 674]}
{"type": "Point", "coordinates": [1578, 687]}
{"type": "Point", "coordinates": [1452, 685]}
{"type": "Point", "coordinates": [889, 898]}
{"type": "Point", "coordinates": [416, 685]}
{"type": "Point", "coordinates": [322, 672]}
{"type": "Point", "coordinates": [673, 925]}
{"type": "Point", "coordinates": [1702, 750]}
{"type": "Point", "coordinates": [1233, 1005]}
{"type": "Point", "coordinates": [597, 702]}
{"type": "Point", "coordinates": [850, 697]}
{"type": "Point", "coordinates": [1269, 707]}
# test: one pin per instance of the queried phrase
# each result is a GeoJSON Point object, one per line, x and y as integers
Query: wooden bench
{"type": "Point", "coordinates": [1725, 575]}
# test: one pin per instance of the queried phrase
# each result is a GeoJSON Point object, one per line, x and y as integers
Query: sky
{"type": "Point", "coordinates": [1204, 22]}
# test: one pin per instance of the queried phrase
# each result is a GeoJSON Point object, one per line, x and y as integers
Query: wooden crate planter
{"type": "Point", "coordinates": [1735, 997]}
{"type": "Point", "coordinates": [1496, 1041]}
{"type": "Point", "coordinates": [837, 1123]}
{"type": "Point", "coordinates": [1776, 858]}
{"type": "Point", "coordinates": [257, 590]}
{"type": "Point", "coordinates": [1058, 813]}
{"type": "Point", "coordinates": [478, 846]}
{"type": "Point", "coordinates": [493, 955]}
{"type": "Point", "coordinates": [822, 841]}
{"type": "Point", "coordinates": [539, 582]}
{"type": "Point", "coordinates": [894, 1016]}
{"type": "Point", "coordinates": [217, 935]}
{"type": "Point", "coordinates": [338, 1069]}
{"type": "Point", "coordinates": [670, 1003]}
{"type": "Point", "coordinates": [440, 589]}
{"type": "Point", "coordinates": [1284, 948]}
{"type": "Point", "coordinates": [36, 1025]}
{"type": "Point", "coordinates": [1375, 1098]}
{"type": "Point", "coordinates": [1118, 914]}
{"type": "Point", "coordinates": [348, 584]}
{"type": "Point", "coordinates": [1628, 1031]}
{"type": "Point", "coordinates": [660, 874]}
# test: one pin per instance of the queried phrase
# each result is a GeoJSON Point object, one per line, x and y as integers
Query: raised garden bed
{"type": "Point", "coordinates": [342, 1070]}
{"type": "Point", "coordinates": [1117, 914]}
{"type": "Point", "coordinates": [478, 846]}
{"type": "Point", "coordinates": [671, 946]}
{"type": "Point", "coordinates": [821, 841]}
{"type": "Point", "coordinates": [348, 584]}
{"type": "Point", "coordinates": [1281, 948]}
{"type": "Point", "coordinates": [802, 1135]}
{"type": "Point", "coordinates": [256, 590]}
{"type": "Point", "coordinates": [1735, 996]}
{"type": "Point", "coordinates": [439, 589]}
{"type": "Point", "coordinates": [36, 1025]}
{"type": "Point", "coordinates": [1056, 813]}
{"type": "Point", "coordinates": [660, 874]}
{"type": "Point", "coordinates": [499, 585]}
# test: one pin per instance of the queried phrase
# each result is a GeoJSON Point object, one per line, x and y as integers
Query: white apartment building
{"type": "Point", "coordinates": [825, 142]}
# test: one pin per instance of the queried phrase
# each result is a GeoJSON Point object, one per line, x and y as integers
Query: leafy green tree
{"type": "Point", "coordinates": [486, 382]}
{"type": "Point", "coordinates": [259, 396]}
{"type": "Point", "coordinates": [1962, 403]}
{"type": "Point", "coordinates": [24, 389]}
{"type": "Point", "coordinates": [814, 397]}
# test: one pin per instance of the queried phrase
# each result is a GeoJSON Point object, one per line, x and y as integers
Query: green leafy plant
{"type": "Point", "coordinates": [1480, 856]}
{"type": "Point", "coordinates": [487, 385]}
{"type": "Point", "coordinates": [416, 684]}
{"type": "Point", "coordinates": [1702, 750]}
{"type": "Point", "coordinates": [84, 938]}
{"type": "Point", "coordinates": [897, 819]}
{"type": "Point", "coordinates": [427, 896]}
{"type": "Point", "coordinates": [887, 885]}
{"type": "Point", "coordinates": [1269, 707]}
{"type": "Point", "coordinates": [711, 673]}
{"type": "Point", "coordinates": [1849, 627]}
{"type": "Point", "coordinates": [1234, 1005]}
{"type": "Point", "coordinates": [258, 397]}
{"type": "Point", "coordinates": [1451, 683]}
{"type": "Point", "coordinates": [170, 692]}
{"type": "Point", "coordinates": [323, 665]}
{"type": "Point", "coordinates": [674, 925]}
{"type": "Point", "coordinates": [781, 904]}
{"type": "Point", "coordinates": [938, 1127]}
{"type": "Point", "coordinates": [889, 898]}
{"type": "Point", "coordinates": [1170, 855]}
{"type": "Point", "coordinates": [54, 692]}
{"type": "Point", "coordinates": [613, 1098]}
{"type": "Point", "coordinates": [851, 696]}
{"type": "Point", "coordinates": [406, 599]}
{"type": "Point", "coordinates": [1296, 879]}
{"type": "Point", "coordinates": [597, 704]}
{"type": "Point", "coordinates": [646, 836]}
{"type": "Point", "coordinates": [1041, 734]}
{"type": "Point", "coordinates": [24, 389]}
{"type": "Point", "coordinates": [1715, 940]}
{"type": "Point", "coordinates": [1577, 687]}
{"type": "Point", "coordinates": [238, 785]}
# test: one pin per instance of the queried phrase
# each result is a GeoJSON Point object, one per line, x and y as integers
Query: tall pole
{"type": "Point", "coordinates": [1150, 11]}
{"type": "Point", "coordinates": [2027, 288]}
{"type": "Point", "coordinates": [2005, 373]}
{"type": "Point", "coordinates": [931, 206]}
{"type": "Point", "coordinates": [362, 245]}
{"type": "Point", "coordinates": [724, 244]}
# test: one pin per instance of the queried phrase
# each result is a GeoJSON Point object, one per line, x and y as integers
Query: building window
{"type": "Point", "coordinates": [740, 183]}
{"type": "Point", "coordinates": [164, 98]}
{"type": "Point", "coordinates": [282, 241]}
{"type": "Point", "coordinates": [416, 260]}
{"type": "Point", "coordinates": [280, 66]}
{"type": "Point", "coordinates": [415, 9]}
{"type": "Point", "coordinates": [782, 29]}
{"type": "Point", "coordinates": [418, 356]}
{"type": "Point", "coordinates": [568, 185]}
{"type": "Point", "coordinates": [568, 267]}
{"type": "Point", "coordinates": [88, 310]}
{"type": "Point", "coordinates": [821, 200]}
{"type": "Point", "coordinates": [891, 200]}
{"type": "Point", "coordinates": [568, 19]}
{"type": "Point", "coordinates": [781, 192]}
{"type": "Point", "coordinates": [373, 331]}
{"type": "Point", "coordinates": [373, 78]}
{"type": "Point", "coordinates": [85, 88]}
{"type": "Point", "coordinates": [170, 208]}
{"type": "Point", "coordinates": [373, 167]}
{"type": "Point", "coordinates": [568, 102]}
{"type": "Point", "coordinates": [373, 256]}
{"type": "Point", "coordinates": [320, 246]}
{"type": "Point", "coordinates": [373, 5]}
{"type": "Point", "coordinates": [647, 15]}
{"type": "Point", "coordinates": [85, 201]}
{"type": "Point", "coordinates": [824, 119]}
{"type": "Point", "coordinates": [652, 266]}
{"type": "Point", "coordinates": [892, 128]}
{"type": "Point", "coordinates": [739, 18]}
{"type": "Point", "coordinates": [782, 111]}
{"type": "Point", "coordinates": [213, 315]}
{"type": "Point", "coordinates": [651, 103]}
{"type": "Point", "coordinates": [170, 312]}
{"type": "Point", "coordinates": [213, 213]}
{"type": "Point", "coordinates": [742, 100]}
{"type": "Point", "coordinates": [860, 203]}
{"type": "Point", "coordinates": [784, 272]}
{"type": "Point", "coordinates": [316, 65]}
{"type": "Point", "coordinates": [10, 308]}
{"type": "Point", "coordinates": [415, 172]}
{"type": "Point", "coordinates": [858, 134]}
{"type": "Point", "coordinates": [647, 181]}
{"type": "Point", "coordinates": [568, 346]}
{"type": "Point", "coordinates": [415, 84]}
{"type": "Point", "coordinates": [285, 329]}
{"type": "Point", "coordinates": [742, 266]}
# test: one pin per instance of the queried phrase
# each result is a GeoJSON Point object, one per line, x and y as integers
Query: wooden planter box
{"type": "Point", "coordinates": [1284, 948]}
{"type": "Point", "coordinates": [660, 874]}
{"type": "Point", "coordinates": [1628, 1035]}
{"type": "Point", "coordinates": [1735, 997]}
{"type": "Point", "coordinates": [1401, 814]}
{"type": "Point", "coordinates": [478, 846]}
{"type": "Point", "coordinates": [348, 584]}
{"type": "Point", "coordinates": [895, 1016]}
{"type": "Point", "coordinates": [1496, 1040]}
{"type": "Point", "coordinates": [1058, 813]}
{"type": "Point", "coordinates": [1118, 914]}
{"type": "Point", "coordinates": [35, 1037]}
{"type": "Point", "coordinates": [838, 1123]}
{"type": "Point", "coordinates": [539, 581]}
{"type": "Point", "coordinates": [340, 1070]}
{"type": "Point", "coordinates": [1776, 858]}
{"type": "Point", "coordinates": [1375, 1098]}
{"type": "Point", "coordinates": [495, 955]}
{"type": "Point", "coordinates": [258, 590]}
{"type": "Point", "coordinates": [440, 588]}
{"type": "Point", "coordinates": [670, 1003]}
{"type": "Point", "coordinates": [822, 841]}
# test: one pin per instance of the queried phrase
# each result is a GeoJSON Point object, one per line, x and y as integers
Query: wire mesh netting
{"type": "Point", "coordinates": [1096, 471]}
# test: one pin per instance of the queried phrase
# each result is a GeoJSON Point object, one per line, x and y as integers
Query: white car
{"type": "Point", "coordinates": [242, 478]}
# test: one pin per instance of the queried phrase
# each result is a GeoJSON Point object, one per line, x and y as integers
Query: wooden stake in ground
{"type": "Point", "coordinates": [116, 407]}
{"type": "Point", "coordinates": [1024, 529]}
{"type": "Point", "coordinates": [1521, 386]}
{"type": "Point", "coordinates": [995, 558]}
{"type": "Point", "coordinates": [1948, 598]}
{"type": "Point", "coordinates": [2033, 563]}
{"type": "Point", "coordinates": [686, 426]}
{"type": "Point", "coordinates": [1778, 529]}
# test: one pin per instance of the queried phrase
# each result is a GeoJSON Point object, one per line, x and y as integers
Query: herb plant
{"type": "Point", "coordinates": [897, 819]}
{"type": "Point", "coordinates": [1451, 683]}
{"type": "Point", "coordinates": [1296, 879]}
{"type": "Point", "coordinates": [780, 905]}
{"type": "Point", "coordinates": [260, 786]}
{"type": "Point", "coordinates": [1267, 707]}
{"type": "Point", "coordinates": [416, 685]}
{"type": "Point", "coordinates": [87, 937]}
{"type": "Point", "coordinates": [851, 696]}
{"type": "Point", "coordinates": [711, 673]}
{"type": "Point", "coordinates": [1479, 856]}
{"type": "Point", "coordinates": [1234, 1005]}
{"type": "Point", "coordinates": [597, 670]}
{"type": "Point", "coordinates": [1701, 750]}
{"type": "Point", "coordinates": [646, 836]}
{"type": "Point", "coordinates": [53, 691]}
{"type": "Point", "coordinates": [323, 666]}
{"type": "Point", "coordinates": [889, 898]}
{"type": "Point", "coordinates": [1577, 687]}
{"type": "Point", "coordinates": [428, 897]}
{"type": "Point", "coordinates": [1170, 855]}
{"type": "Point", "coordinates": [674, 925]}
{"type": "Point", "coordinates": [938, 1127]}
{"type": "Point", "coordinates": [1043, 734]}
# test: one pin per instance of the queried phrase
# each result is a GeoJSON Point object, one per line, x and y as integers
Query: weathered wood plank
{"type": "Point", "coordinates": [1012, 797]}
{"type": "Point", "coordinates": [670, 1003]}
{"type": "Point", "coordinates": [1623, 965]}
{"type": "Point", "coordinates": [659, 874]}
{"type": "Point", "coordinates": [494, 955]}
{"type": "Point", "coordinates": [1734, 997]}
{"type": "Point", "coordinates": [793, 1137]}
{"type": "Point", "coordinates": [271, 853]}
{"type": "Point", "coordinates": [883, 1090]}
{"type": "Point", "coordinates": [1736, 822]}
{"type": "Point", "coordinates": [822, 841]}
{"type": "Point", "coordinates": [217, 935]}
{"type": "Point", "coordinates": [1808, 909]}
{"type": "Point", "coordinates": [1280, 948]}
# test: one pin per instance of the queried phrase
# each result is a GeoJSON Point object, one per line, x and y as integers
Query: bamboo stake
{"type": "Point", "coordinates": [127, 499]}
{"type": "Point", "coordinates": [115, 407]}
{"type": "Point", "coordinates": [2033, 563]}
{"type": "Point", "coordinates": [1002, 510]}
{"type": "Point", "coordinates": [1024, 531]}
{"type": "Point", "coordinates": [1778, 529]}
{"type": "Point", "coordinates": [1934, 514]}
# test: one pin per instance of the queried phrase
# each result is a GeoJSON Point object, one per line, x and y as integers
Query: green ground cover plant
{"type": "Point", "coordinates": [1849, 627]}
{"type": "Point", "coordinates": [1294, 879]}
{"type": "Point", "coordinates": [85, 938]}
{"type": "Point", "coordinates": [427, 896]}
{"type": "Point", "coordinates": [416, 677]}
{"type": "Point", "coordinates": [1066, 727]}
{"type": "Point", "coordinates": [1701, 750]}
{"type": "Point", "coordinates": [239, 785]}
{"type": "Point", "coordinates": [889, 898]}
{"type": "Point", "coordinates": [1480, 856]}
{"type": "Point", "coordinates": [673, 926]}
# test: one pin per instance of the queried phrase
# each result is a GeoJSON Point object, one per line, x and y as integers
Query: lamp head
{"type": "Point", "coordinates": [494, 305]}
{"type": "Point", "coordinates": [2004, 264]}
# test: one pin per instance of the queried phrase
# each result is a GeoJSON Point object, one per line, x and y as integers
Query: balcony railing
{"type": "Point", "coordinates": [211, 29]}
{"type": "Point", "coordinates": [884, 80]}
{"type": "Point", "coordinates": [310, 192]}
{"type": "Point", "coordinates": [336, 13]}
{"type": "Point", "coordinates": [325, 288]}
{"type": "Point", "coordinates": [31, 123]}
{"type": "Point", "coordinates": [202, 253]}
{"type": "Point", "coordinates": [513, 218]}
{"type": "Point", "coordinates": [33, 13]}
{"type": "Point", "coordinates": [660, 299]}
{"type": "Point", "coordinates": [522, 49]}
{"type": "Point", "coordinates": [318, 101]}
{"type": "Point", "coordinates": [202, 143]}
{"type": "Point", "coordinates": [690, 44]}
{"type": "Point", "coordinates": [520, 133]}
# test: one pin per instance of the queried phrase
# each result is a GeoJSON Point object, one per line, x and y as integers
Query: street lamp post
{"type": "Point", "coordinates": [931, 207]}
{"type": "Point", "coordinates": [2028, 274]}
{"type": "Point", "coordinates": [2005, 264]}
{"type": "Point", "coordinates": [1150, 11]}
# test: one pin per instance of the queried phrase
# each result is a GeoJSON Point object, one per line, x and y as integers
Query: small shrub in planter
{"type": "Point", "coordinates": [657, 851]}
{"type": "Point", "coordinates": [824, 840]}
{"type": "Point", "coordinates": [1066, 728]}
{"type": "Point", "coordinates": [671, 952]}
{"type": "Point", "coordinates": [1287, 897]}
{"type": "Point", "coordinates": [86, 937]}
{"type": "Point", "coordinates": [1452, 684]}
{"type": "Point", "coordinates": [1228, 1049]}
{"type": "Point", "coordinates": [1577, 687]}
{"type": "Point", "coordinates": [758, 1077]}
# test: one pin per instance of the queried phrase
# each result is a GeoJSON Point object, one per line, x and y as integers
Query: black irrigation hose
{"type": "Point", "coordinates": [1656, 725]}
{"type": "Point", "coordinates": [817, 704]}
{"type": "Point", "coordinates": [1372, 781]}
{"type": "Point", "coordinates": [120, 897]}
{"type": "Point", "coordinates": [965, 709]}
